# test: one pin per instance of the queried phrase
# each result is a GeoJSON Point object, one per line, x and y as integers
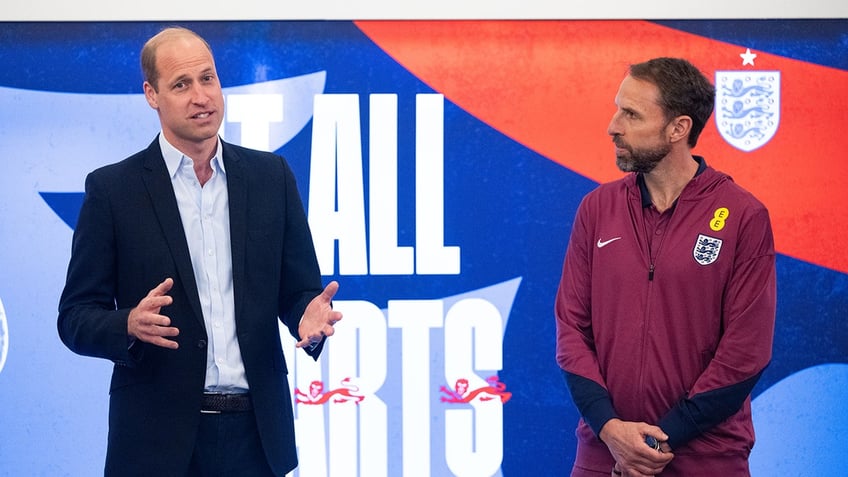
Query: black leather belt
{"type": "Point", "coordinates": [216, 403]}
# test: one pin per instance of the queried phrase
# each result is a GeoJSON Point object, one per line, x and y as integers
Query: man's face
{"type": "Point", "coordinates": [639, 127]}
{"type": "Point", "coordinates": [189, 99]}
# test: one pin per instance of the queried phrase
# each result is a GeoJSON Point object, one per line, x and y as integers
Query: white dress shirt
{"type": "Point", "coordinates": [206, 221]}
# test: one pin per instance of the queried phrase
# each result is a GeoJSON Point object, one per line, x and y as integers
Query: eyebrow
{"type": "Point", "coordinates": [631, 111]}
{"type": "Point", "coordinates": [188, 78]}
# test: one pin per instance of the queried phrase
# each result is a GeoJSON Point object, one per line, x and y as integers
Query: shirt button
{"type": "Point", "coordinates": [210, 252]}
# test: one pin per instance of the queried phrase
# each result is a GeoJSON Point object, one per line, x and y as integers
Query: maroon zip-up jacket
{"type": "Point", "coordinates": [679, 339]}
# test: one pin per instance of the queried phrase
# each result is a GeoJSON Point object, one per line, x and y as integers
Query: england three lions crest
{"type": "Point", "coordinates": [747, 108]}
{"type": "Point", "coordinates": [706, 249]}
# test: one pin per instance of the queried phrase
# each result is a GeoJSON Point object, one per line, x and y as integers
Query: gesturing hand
{"type": "Point", "coordinates": [146, 324]}
{"type": "Point", "coordinates": [319, 317]}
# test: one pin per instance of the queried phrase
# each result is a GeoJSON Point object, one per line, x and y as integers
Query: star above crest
{"type": "Point", "coordinates": [748, 57]}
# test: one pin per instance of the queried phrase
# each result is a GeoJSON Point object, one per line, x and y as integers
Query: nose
{"type": "Point", "coordinates": [613, 128]}
{"type": "Point", "coordinates": [199, 95]}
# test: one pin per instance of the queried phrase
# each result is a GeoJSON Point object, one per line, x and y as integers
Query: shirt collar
{"type": "Point", "coordinates": [643, 188]}
{"type": "Point", "coordinates": [174, 158]}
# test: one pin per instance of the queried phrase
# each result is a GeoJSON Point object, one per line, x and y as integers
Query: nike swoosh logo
{"type": "Point", "coordinates": [607, 242]}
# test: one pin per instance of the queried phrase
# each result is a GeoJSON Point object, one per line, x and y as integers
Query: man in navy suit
{"type": "Point", "coordinates": [184, 257]}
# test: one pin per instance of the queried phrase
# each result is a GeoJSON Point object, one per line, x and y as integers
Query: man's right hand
{"type": "Point", "coordinates": [146, 324]}
{"type": "Point", "coordinates": [626, 442]}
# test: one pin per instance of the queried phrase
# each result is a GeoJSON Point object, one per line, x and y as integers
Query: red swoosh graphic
{"type": "Point", "coordinates": [549, 85]}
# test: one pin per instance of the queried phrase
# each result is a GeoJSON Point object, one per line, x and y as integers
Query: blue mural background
{"type": "Point", "coordinates": [509, 208]}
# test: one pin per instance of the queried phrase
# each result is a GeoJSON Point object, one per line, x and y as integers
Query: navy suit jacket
{"type": "Point", "coordinates": [128, 239]}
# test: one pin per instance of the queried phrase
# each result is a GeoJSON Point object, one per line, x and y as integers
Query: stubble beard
{"type": "Point", "coordinates": [640, 160]}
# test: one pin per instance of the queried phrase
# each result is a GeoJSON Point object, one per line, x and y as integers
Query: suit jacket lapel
{"type": "Point", "coordinates": [237, 192]}
{"type": "Point", "coordinates": [161, 191]}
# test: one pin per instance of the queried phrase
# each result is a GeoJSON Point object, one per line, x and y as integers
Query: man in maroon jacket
{"type": "Point", "coordinates": [665, 311]}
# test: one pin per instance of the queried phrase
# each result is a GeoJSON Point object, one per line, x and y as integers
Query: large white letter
{"type": "Point", "coordinates": [337, 167]}
{"type": "Point", "coordinates": [255, 112]}
{"type": "Point", "coordinates": [474, 437]}
{"type": "Point", "coordinates": [386, 257]}
{"type": "Point", "coordinates": [432, 257]}
{"type": "Point", "coordinates": [4, 337]}
{"type": "Point", "coordinates": [416, 318]}
{"type": "Point", "coordinates": [309, 420]}
{"type": "Point", "coordinates": [357, 351]}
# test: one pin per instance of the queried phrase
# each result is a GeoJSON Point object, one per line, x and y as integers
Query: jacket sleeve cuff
{"type": "Point", "coordinates": [592, 400]}
{"type": "Point", "coordinates": [679, 425]}
{"type": "Point", "coordinates": [691, 417]}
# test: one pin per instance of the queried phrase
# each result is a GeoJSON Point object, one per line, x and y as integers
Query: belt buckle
{"type": "Point", "coordinates": [204, 411]}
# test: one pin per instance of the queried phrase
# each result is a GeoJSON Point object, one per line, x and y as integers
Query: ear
{"type": "Point", "coordinates": [151, 95]}
{"type": "Point", "coordinates": [679, 128]}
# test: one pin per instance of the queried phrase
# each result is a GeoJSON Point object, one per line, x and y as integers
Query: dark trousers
{"type": "Point", "coordinates": [228, 445]}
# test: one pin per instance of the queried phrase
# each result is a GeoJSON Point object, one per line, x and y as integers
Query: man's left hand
{"type": "Point", "coordinates": [319, 318]}
{"type": "Point", "coordinates": [626, 442]}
